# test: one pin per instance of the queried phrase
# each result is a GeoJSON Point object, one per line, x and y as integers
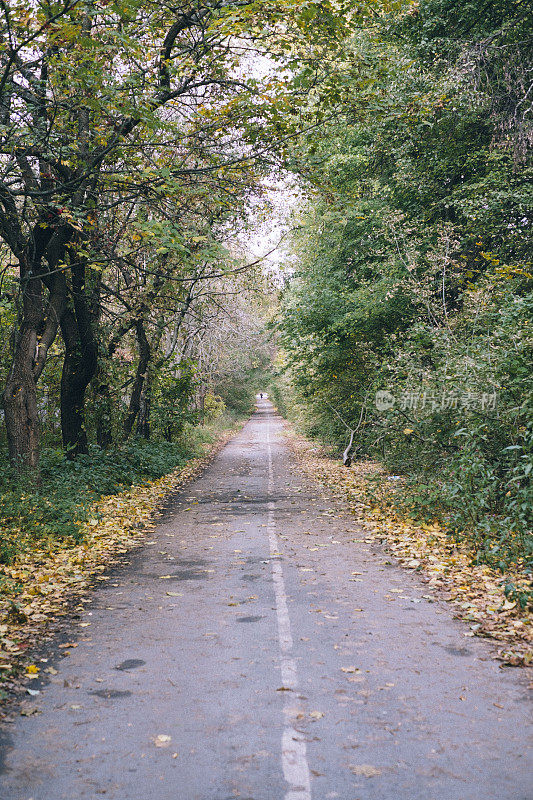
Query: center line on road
{"type": "Point", "coordinates": [293, 748]}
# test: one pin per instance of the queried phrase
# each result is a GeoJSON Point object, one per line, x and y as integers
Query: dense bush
{"type": "Point", "coordinates": [413, 275]}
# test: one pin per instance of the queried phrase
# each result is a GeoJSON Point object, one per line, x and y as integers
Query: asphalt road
{"type": "Point", "coordinates": [258, 648]}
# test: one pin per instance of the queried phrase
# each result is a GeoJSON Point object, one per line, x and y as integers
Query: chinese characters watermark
{"type": "Point", "coordinates": [412, 400]}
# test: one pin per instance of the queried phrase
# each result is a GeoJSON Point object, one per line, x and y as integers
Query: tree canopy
{"type": "Point", "coordinates": [413, 273]}
{"type": "Point", "coordinates": [131, 135]}
{"type": "Point", "coordinates": [135, 136]}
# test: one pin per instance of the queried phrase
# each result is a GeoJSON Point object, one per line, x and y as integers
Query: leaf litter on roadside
{"type": "Point", "coordinates": [445, 565]}
{"type": "Point", "coordinates": [40, 585]}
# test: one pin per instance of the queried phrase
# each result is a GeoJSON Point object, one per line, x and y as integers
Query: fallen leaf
{"type": "Point", "coordinates": [478, 591]}
{"type": "Point", "coordinates": [162, 740]}
{"type": "Point", "coordinates": [366, 770]}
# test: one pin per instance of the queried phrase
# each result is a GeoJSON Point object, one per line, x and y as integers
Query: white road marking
{"type": "Point", "coordinates": [293, 748]}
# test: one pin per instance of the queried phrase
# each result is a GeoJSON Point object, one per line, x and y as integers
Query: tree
{"type": "Point", "coordinates": [413, 260]}
{"type": "Point", "coordinates": [92, 94]}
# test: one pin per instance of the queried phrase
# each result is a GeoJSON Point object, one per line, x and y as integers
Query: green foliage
{"type": "Point", "coordinates": [413, 274]}
{"type": "Point", "coordinates": [62, 502]}
{"type": "Point", "coordinates": [174, 388]}
{"type": "Point", "coordinates": [130, 150]}
{"type": "Point", "coordinates": [214, 406]}
{"type": "Point", "coordinates": [238, 391]}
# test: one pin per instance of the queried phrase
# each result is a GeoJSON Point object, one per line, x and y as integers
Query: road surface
{"type": "Point", "coordinates": [258, 648]}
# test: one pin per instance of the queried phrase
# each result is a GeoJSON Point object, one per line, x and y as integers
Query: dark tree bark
{"type": "Point", "coordinates": [72, 389]}
{"type": "Point", "coordinates": [79, 366]}
{"type": "Point", "coordinates": [37, 330]}
{"type": "Point", "coordinates": [20, 394]}
{"type": "Point", "coordinates": [104, 435]}
{"type": "Point", "coordinates": [143, 421]}
{"type": "Point", "coordinates": [140, 376]}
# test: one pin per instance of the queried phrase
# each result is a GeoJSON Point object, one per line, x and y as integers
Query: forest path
{"type": "Point", "coordinates": [252, 649]}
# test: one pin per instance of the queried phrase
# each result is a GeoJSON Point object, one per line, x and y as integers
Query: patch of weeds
{"type": "Point", "coordinates": [56, 509]}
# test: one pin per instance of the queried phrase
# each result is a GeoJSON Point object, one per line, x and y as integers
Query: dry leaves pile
{"type": "Point", "coordinates": [476, 591]}
{"type": "Point", "coordinates": [40, 586]}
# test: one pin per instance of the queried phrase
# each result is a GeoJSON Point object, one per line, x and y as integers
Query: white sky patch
{"type": "Point", "coordinates": [271, 219]}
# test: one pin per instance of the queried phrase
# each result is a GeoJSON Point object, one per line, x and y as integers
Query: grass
{"type": "Point", "coordinates": [58, 508]}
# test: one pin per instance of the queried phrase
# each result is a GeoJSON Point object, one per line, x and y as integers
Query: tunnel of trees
{"type": "Point", "coordinates": [136, 136]}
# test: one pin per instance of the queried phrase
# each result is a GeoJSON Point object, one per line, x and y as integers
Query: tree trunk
{"type": "Point", "coordinates": [79, 366]}
{"type": "Point", "coordinates": [104, 435]}
{"type": "Point", "coordinates": [140, 376]}
{"type": "Point", "coordinates": [72, 389]}
{"type": "Point", "coordinates": [20, 393]}
{"type": "Point", "coordinates": [143, 422]}
{"type": "Point", "coordinates": [104, 432]}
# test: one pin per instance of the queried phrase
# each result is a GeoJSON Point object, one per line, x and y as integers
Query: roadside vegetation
{"type": "Point", "coordinates": [54, 513]}
{"type": "Point", "coordinates": [136, 144]}
{"type": "Point", "coordinates": [408, 319]}
{"type": "Point", "coordinates": [58, 553]}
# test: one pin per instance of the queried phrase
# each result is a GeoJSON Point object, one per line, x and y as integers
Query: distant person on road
{"type": "Point", "coordinates": [261, 395]}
